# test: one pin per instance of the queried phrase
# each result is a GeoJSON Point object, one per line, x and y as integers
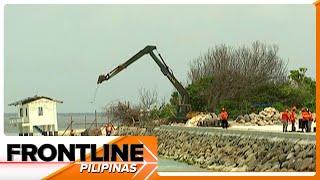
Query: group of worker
{"type": "Point", "coordinates": [305, 122]}
{"type": "Point", "coordinates": [287, 117]}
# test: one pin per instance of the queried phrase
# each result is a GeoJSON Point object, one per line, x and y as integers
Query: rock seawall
{"type": "Point", "coordinates": [224, 151]}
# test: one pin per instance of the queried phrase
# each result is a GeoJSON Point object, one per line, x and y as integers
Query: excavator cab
{"type": "Point", "coordinates": [183, 110]}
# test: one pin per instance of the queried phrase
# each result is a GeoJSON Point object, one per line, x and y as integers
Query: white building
{"type": "Point", "coordinates": [37, 113]}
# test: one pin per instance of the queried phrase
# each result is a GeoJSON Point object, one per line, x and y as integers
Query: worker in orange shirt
{"type": "Point", "coordinates": [109, 128]}
{"type": "Point", "coordinates": [285, 117]}
{"type": "Point", "coordinates": [293, 117]}
{"type": "Point", "coordinates": [224, 118]}
{"type": "Point", "coordinates": [305, 118]}
{"type": "Point", "coordinates": [310, 119]}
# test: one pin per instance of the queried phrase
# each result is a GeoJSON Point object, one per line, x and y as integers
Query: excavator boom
{"type": "Point", "coordinates": [184, 106]}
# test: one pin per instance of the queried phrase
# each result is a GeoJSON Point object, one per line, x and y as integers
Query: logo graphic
{"type": "Point", "coordinates": [121, 166]}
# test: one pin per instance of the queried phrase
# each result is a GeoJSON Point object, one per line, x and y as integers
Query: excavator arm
{"type": "Point", "coordinates": [124, 65]}
{"type": "Point", "coordinates": [184, 106]}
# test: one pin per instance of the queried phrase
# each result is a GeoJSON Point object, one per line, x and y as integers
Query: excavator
{"type": "Point", "coordinates": [184, 106]}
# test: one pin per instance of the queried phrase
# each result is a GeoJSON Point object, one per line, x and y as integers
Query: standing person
{"type": "Point", "coordinates": [305, 118]}
{"type": "Point", "coordinates": [301, 121]}
{"type": "Point", "coordinates": [106, 127]}
{"type": "Point", "coordinates": [285, 118]}
{"type": "Point", "coordinates": [224, 118]}
{"type": "Point", "coordinates": [72, 132]}
{"type": "Point", "coordinates": [310, 119]}
{"type": "Point", "coordinates": [293, 119]}
{"type": "Point", "coordinates": [109, 129]}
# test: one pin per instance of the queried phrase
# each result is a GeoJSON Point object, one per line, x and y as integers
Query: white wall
{"type": "Point", "coordinates": [49, 116]}
{"type": "Point", "coordinates": [48, 119]}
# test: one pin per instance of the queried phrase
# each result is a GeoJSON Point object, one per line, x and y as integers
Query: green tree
{"type": "Point", "coordinates": [298, 90]}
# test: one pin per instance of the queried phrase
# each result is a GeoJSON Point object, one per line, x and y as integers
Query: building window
{"type": "Point", "coordinates": [26, 112]}
{"type": "Point", "coordinates": [40, 111]}
{"type": "Point", "coordinates": [21, 112]}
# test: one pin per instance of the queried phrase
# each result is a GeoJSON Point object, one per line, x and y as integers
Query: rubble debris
{"type": "Point", "coordinates": [203, 119]}
{"type": "Point", "coordinates": [269, 116]}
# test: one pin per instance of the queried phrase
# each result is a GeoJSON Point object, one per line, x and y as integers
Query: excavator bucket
{"type": "Point", "coordinates": [101, 78]}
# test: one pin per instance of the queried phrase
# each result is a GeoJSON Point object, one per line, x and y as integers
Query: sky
{"type": "Point", "coordinates": [59, 50]}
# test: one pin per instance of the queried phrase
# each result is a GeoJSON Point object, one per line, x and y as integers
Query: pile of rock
{"type": "Point", "coordinates": [236, 153]}
{"type": "Point", "coordinates": [177, 124]}
{"type": "Point", "coordinates": [268, 116]}
{"type": "Point", "coordinates": [203, 119]}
